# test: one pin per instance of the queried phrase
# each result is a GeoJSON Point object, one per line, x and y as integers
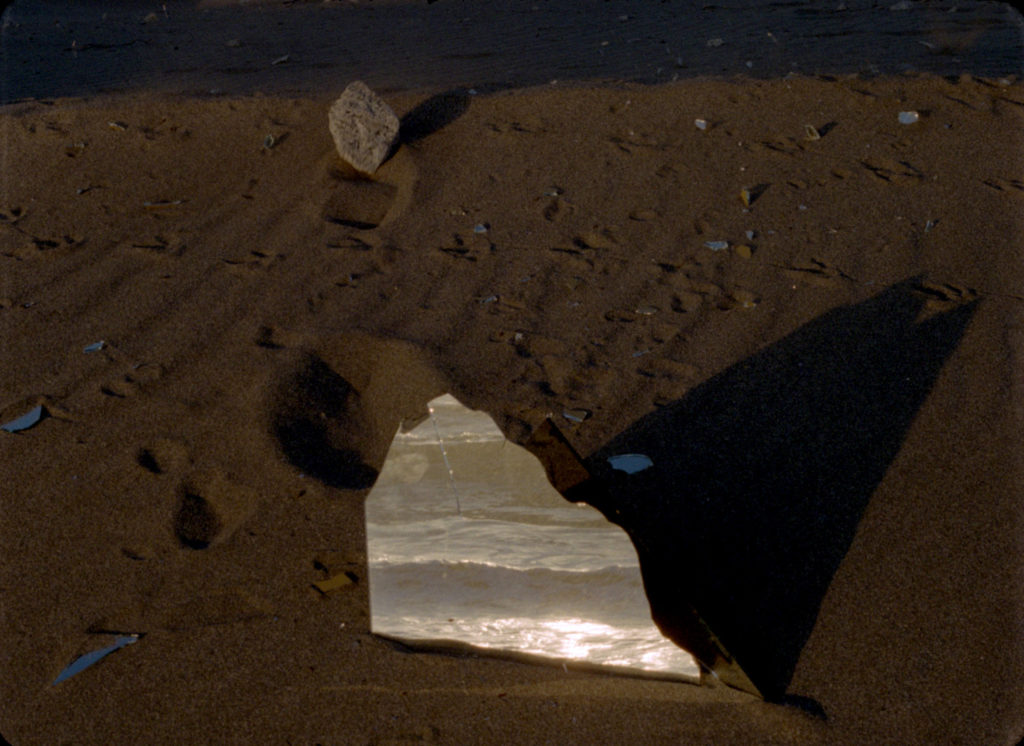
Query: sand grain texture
{"type": "Point", "coordinates": [270, 317]}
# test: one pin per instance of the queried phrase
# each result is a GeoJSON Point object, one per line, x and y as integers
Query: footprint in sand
{"type": "Point", "coordinates": [212, 505]}
{"type": "Point", "coordinates": [334, 421]}
{"type": "Point", "coordinates": [358, 203]}
{"type": "Point", "coordinates": [318, 419]}
{"type": "Point", "coordinates": [364, 203]}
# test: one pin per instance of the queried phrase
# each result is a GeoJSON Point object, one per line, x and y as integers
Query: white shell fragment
{"type": "Point", "coordinates": [701, 124]}
{"type": "Point", "coordinates": [95, 346]}
{"type": "Point", "coordinates": [631, 463]}
{"type": "Point", "coordinates": [363, 126]}
{"type": "Point", "coordinates": [576, 415]}
{"type": "Point", "coordinates": [717, 245]}
{"type": "Point", "coordinates": [909, 117]}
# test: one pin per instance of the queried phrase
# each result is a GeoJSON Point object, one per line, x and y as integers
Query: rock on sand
{"type": "Point", "coordinates": [363, 126]}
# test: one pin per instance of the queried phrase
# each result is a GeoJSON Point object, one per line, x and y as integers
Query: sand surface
{"type": "Point", "coordinates": [529, 249]}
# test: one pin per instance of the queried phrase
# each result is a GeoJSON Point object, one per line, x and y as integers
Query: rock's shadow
{"type": "Point", "coordinates": [433, 114]}
{"type": "Point", "coordinates": [761, 475]}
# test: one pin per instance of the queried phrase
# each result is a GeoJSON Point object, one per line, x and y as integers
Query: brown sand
{"type": "Point", "coordinates": [242, 290]}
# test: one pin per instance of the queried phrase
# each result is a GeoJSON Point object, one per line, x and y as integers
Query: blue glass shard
{"type": "Point", "coordinates": [24, 422]}
{"type": "Point", "coordinates": [630, 463]}
{"type": "Point", "coordinates": [84, 661]}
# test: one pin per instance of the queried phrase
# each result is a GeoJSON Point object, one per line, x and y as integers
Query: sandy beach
{"type": "Point", "coordinates": [766, 273]}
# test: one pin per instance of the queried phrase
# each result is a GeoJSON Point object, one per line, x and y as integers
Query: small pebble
{"type": "Point", "coordinates": [744, 298]}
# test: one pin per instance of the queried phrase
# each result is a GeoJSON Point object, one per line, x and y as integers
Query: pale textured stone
{"type": "Point", "coordinates": [363, 126]}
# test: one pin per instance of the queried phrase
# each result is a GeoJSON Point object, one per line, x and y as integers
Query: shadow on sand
{"type": "Point", "coordinates": [761, 475]}
{"type": "Point", "coordinates": [433, 114]}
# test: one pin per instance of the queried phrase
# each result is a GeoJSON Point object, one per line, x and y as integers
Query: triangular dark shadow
{"type": "Point", "coordinates": [761, 474]}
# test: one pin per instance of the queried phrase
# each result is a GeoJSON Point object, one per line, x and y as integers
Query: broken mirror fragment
{"type": "Point", "coordinates": [717, 245]}
{"type": "Point", "coordinates": [82, 662]}
{"type": "Point", "coordinates": [631, 463]}
{"type": "Point", "coordinates": [468, 541]}
{"type": "Point", "coordinates": [95, 346]}
{"type": "Point", "coordinates": [27, 420]}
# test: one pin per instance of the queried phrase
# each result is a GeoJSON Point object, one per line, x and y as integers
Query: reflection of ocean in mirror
{"type": "Point", "coordinates": [520, 568]}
